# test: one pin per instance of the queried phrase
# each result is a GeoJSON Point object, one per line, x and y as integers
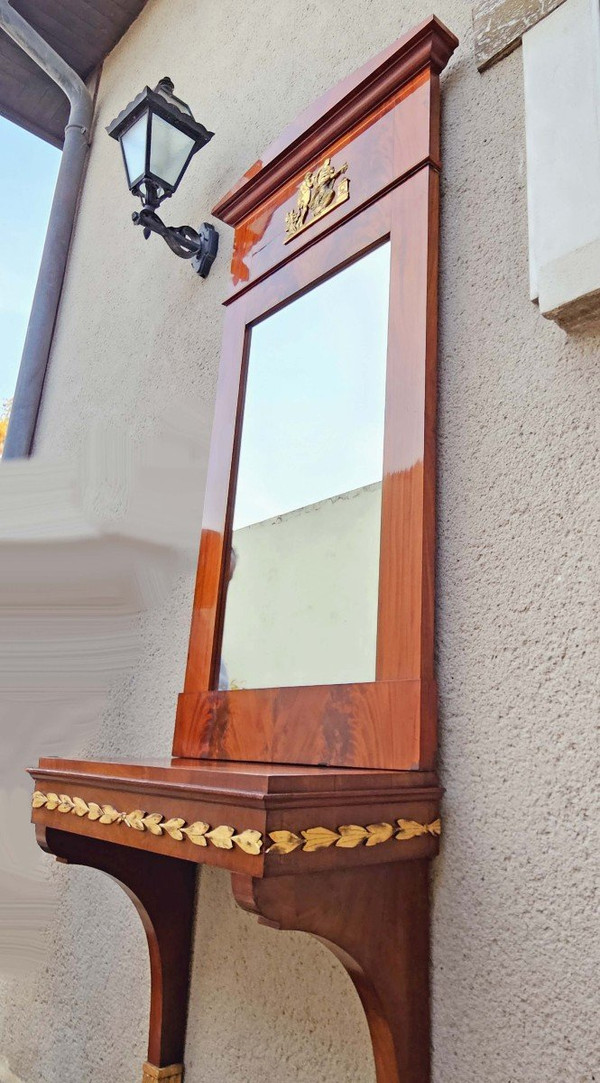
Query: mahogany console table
{"type": "Point", "coordinates": [321, 799]}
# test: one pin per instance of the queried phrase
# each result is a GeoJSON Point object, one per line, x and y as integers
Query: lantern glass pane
{"type": "Point", "coordinates": [133, 142]}
{"type": "Point", "coordinates": [169, 151]}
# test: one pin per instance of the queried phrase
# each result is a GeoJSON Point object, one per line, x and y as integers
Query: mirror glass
{"type": "Point", "coordinates": [301, 603]}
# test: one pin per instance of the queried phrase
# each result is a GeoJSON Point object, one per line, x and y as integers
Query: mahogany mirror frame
{"type": "Point", "coordinates": [392, 147]}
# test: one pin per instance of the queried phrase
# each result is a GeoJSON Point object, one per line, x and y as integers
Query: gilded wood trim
{"type": "Point", "coordinates": [224, 837]}
{"type": "Point", "coordinates": [349, 836]}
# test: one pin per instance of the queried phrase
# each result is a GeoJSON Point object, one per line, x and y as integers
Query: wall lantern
{"type": "Point", "coordinates": [159, 137]}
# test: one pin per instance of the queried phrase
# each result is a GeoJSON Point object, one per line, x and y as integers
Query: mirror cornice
{"type": "Point", "coordinates": [333, 115]}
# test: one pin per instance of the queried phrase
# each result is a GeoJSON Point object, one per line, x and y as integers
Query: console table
{"type": "Point", "coordinates": [317, 793]}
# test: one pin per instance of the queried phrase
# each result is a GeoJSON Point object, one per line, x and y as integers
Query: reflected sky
{"type": "Point", "coordinates": [313, 419]}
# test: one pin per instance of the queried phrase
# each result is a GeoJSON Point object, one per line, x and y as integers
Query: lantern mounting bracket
{"type": "Point", "coordinates": [159, 136]}
{"type": "Point", "coordinates": [201, 246]}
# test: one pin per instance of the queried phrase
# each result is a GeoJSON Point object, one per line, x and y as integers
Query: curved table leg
{"type": "Point", "coordinates": [376, 921]}
{"type": "Point", "coordinates": [163, 890]}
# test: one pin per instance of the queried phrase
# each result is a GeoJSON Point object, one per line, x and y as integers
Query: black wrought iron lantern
{"type": "Point", "coordinates": [159, 137]}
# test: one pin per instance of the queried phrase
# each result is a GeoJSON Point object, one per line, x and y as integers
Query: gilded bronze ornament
{"type": "Point", "coordinates": [349, 836]}
{"type": "Point", "coordinates": [172, 1074]}
{"type": "Point", "coordinates": [317, 196]}
{"type": "Point", "coordinates": [224, 837]}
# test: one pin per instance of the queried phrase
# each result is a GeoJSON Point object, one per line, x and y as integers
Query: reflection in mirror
{"type": "Point", "coordinates": [302, 597]}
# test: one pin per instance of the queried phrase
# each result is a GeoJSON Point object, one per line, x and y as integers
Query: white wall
{"type": "Point", "coordinates": [514, 963]}
{"type": "Point", "coordinates": [561, 57]}
{"type": "Point", "coordinates": [302, 603]}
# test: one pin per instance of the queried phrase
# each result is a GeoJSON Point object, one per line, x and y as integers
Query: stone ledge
{"type": "Point", "coordinates": [499, 25]}
{"type": "Point", "coordinates": [569, 289]}
{"type": "Point", "coordinates": [578, 316]}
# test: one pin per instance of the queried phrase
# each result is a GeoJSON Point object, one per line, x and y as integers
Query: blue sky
{"type": "Point", "coordinates": [299, 447]}
{"type": "Point", "coordinates": [28, 168]}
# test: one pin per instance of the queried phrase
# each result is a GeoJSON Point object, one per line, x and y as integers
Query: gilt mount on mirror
{"type": "Point", "coordinates": [304, 751]}
{"type": "Point", "coordinates": [317, 195]}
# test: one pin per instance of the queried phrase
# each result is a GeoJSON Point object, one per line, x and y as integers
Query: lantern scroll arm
{"type": "Point", "coordinates": [200, 245]}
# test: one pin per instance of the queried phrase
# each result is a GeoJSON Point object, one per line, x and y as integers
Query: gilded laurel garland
{"type": "Point", "coordinates": [349, 836]}
{"type": "Point", "coordinates": [225, 838]}
{"type": "Point", "coordinates": [200, 833]}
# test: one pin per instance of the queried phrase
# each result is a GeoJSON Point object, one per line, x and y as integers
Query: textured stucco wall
{"type": "Point", "coordinates": [514, 942]}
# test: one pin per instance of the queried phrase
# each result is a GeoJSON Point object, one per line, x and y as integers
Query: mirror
{"type": "Point", "coordinates": [302, 596]}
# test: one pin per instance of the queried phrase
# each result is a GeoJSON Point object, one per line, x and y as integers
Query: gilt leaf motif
{"type": "Point", "coordinates": [152, 823]}
{"type": "Point", "coordinates": [352, 835]}
{"type": "Point", "coordinates": [410, 829]}
{"type": "Point", "coordinates": [196, 833]}
{"type": "Point", "coordinates": [135, 819]}
{"type": "Point", "coordinates": [80, 807]}
{"type": "Point", "coordinates": [379, 833]}
{"type": "Point", "coordinates": [173, 828]}
{"type": "Point", "coordinates": [249, 841]}
{"type": "Point", "coordinates": [221, 837]}
{"type": "Point", "coordinates": [284, 842]}
{"type": "Point", "coordinates": [318, 838]}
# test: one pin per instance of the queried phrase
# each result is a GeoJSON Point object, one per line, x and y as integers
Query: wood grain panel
{"type": "Point", "coordinates": [380, 151]}
{"type": "Point", "coordinates": [407, 566]}
{"type": "Point", "coordinates": [385, 724]}
{"type": "Point", "coordinates": [377, 924]}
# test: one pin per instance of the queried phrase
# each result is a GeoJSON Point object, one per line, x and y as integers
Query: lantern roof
{"type": "Point", "coordinates": [162, 101]}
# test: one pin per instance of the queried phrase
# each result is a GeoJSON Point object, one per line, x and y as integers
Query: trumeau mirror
{"type": "Point", "coordinates": [312, 631]}
{"type": "Point", "coordinates": [301, 605]}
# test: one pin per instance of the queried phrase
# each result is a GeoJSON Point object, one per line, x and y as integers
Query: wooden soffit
{"type": "Point", "coordinates": [82, 33]}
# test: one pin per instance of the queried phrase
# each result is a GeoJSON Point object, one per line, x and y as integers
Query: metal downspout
{"type": "Point", "coordinates": [40, 330]}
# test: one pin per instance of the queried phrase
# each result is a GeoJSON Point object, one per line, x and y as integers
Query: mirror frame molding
{"type": "Point", "coordinates": [385, 122]}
